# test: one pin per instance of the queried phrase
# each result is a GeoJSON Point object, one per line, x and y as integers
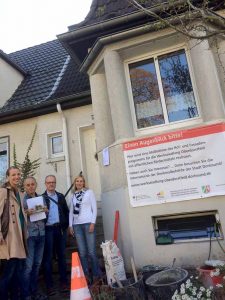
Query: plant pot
{"type": "Point", "coordinates": [205, 277]}
{"type": "Point", "coordinates": [131, 290]}
{"type": "Point", "coordinates": [217, 280]}
{"type": "Point", "coordinates": [162, 285]}
{"type": "Point", "coordinates": [150, 270]}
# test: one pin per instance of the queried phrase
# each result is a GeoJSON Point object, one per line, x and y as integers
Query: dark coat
{"type": "Point", "coordinates": [62, 208]}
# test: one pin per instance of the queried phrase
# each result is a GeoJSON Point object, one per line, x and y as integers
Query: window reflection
{"type": "Point", "coordinates": [177, 86]}
{"type": "Point", "coordinates": [146, 95]}
{"type": "Point", "coordinates": [3, 160]}
{"type": "Point", "coordinates": [166, 75]}
{"type": "Point", "coordinates": [57, 145]}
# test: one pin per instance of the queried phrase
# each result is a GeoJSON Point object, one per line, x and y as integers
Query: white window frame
{"type": "Point", "coordinates": [165, 126]}
{"type": "Point", "coordinates": [155, 220]}
{"type": "Point", "coordinates": [50, 153]}
{"type": "Point", "coordinates": [5, 139]}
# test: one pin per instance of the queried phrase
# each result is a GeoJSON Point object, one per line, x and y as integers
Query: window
{"type": "Point", "coordinates": [162, 90]}
{"type": "Point", "coordinates": [188, 227]}
{"type": "Point", "coordinates": [4, 157]}
{"type": "Point", "coordinates": [55, 145]}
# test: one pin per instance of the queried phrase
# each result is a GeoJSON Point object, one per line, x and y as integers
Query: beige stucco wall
{"type": "Point", "coordinates": [136, 234]}
{"type": "Point", "coordinates": [20, 133]}
{"type": "Point", "coordinates": [218, 47]}
{"type": "Point", "coordinates": [8, 87]}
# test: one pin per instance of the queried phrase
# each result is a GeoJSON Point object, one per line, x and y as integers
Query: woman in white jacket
{"type": "Point", "coordinates": [82, 218]}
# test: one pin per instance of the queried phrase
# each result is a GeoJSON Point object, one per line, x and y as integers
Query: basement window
{"type": "Point", "coordinates": [188, 227]}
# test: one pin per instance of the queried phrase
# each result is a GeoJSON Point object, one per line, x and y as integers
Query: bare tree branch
{"type": "Point", "coordinates": [188, 19]}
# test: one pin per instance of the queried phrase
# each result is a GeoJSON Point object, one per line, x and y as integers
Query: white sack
{"type": "Point", "coordinates": [114, 264]}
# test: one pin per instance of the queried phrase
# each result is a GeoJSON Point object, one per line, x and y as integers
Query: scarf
{"type": "Point", "coordinates": [79, 198]}
{"type": "Point", "coordinates": [21, 217]}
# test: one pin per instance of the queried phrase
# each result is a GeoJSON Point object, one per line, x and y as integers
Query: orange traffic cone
{"type": "Point", "coordinates": [79, 288]}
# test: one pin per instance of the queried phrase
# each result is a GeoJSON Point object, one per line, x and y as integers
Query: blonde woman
{"type": "Point", "coordinates": [82, 218]}
{"type": "Point", "coordinates": [13, 248]}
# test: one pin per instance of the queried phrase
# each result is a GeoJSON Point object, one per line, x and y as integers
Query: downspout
{"type": "Point", "coordinates": [65, 145]}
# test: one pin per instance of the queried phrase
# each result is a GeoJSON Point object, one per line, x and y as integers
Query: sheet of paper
{"type": "Point", "coordinates": [32, 203]}
{"type": "Point", "coordinates": [105, 154]}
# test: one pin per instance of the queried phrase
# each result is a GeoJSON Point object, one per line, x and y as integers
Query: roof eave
{"type": "Point", "coordinates": [76, 33]}
{"type": "Point", "coordinates": [81, 99]}
{"type": "Point", "coordinates": [118, 36]}
{"type": "Point", "coordinates": [69, 37]}
{"type": "Point", "coordinates": [102, 42]}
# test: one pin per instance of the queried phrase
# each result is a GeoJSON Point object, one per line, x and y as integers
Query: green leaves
{"type": "Point", "coordinates": [28, 167]}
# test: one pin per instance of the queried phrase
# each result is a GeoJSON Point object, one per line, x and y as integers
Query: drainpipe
{"type": "Point", "coordinates": [65, 145]}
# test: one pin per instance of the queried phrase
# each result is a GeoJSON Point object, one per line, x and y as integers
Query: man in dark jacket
{"type": "Point", "coordinates": [55, 234]}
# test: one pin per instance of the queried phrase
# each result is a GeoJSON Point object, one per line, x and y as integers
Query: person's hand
{"type": "Point", "coordinates": [91, 228]}
{"type": "Point", "coordinates": [71, 232]}
{"type": "Point", "coordinates": [45, 209]}
{"type": "Point", "coordinates": [2, 241]}
{"type": "Point", "coordinates": [30, 211]}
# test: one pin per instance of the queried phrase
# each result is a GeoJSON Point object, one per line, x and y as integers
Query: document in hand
{"type": "Point", "coordinates": [35, 203]}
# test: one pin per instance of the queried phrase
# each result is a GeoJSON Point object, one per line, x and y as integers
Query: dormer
{"type": "Point", "coordinates": [11, 76]}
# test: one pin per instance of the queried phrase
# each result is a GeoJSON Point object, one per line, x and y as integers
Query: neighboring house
{"type": "Point", "coordinates": [151, 85]}
{"type": "Point", "coordinates": [42, 86]}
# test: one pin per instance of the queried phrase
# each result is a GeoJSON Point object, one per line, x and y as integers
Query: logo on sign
{"type": "Point", "coordinates": [160, 195]}
{"type": "Point", "coordinates": [141, 197]}
{"type": "Point", "coordinates": [206, 189]}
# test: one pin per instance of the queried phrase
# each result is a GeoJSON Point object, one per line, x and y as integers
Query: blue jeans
{"type": "Point", "coordinates": [11, 269]}
{"type": "Point", "coordinates": [32, 265]}
{"type": "Point", "coordinates": [55, 239]}
{"type": "Point", "coordinates": [86, 242]}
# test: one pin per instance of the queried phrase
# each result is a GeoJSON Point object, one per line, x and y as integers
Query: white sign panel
{"type": "Point", "coordinates": [34, 203]}
{"type": "Point", "coordinates": [176, 166]}
{"type": "Point", "coordinates": [105, 153]}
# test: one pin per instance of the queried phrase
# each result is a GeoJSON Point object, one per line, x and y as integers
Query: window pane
{"type": "Point", "coordinates": [146, 95]}
{"type": "Point", "coordinates": [57, 145]}
{"type": "Point", "coordinates": [3, 160]}
{"type": "Point", "coordinates": [177, 86]}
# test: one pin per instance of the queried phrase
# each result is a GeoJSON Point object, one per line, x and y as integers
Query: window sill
{"type": "Point", "coordinates": [197, 240]}
{"type": "Point", "coordinates": [180, 125]}
{"type": "Point", "coordinates": [184, 241]}
{"type": "Point", "coordinates": [55, 159]}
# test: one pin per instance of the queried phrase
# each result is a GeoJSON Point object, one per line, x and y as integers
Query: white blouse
{"type": "Point", "coordinates": [88, 209]}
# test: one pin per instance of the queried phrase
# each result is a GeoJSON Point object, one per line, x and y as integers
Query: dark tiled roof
{"type": "Point", "coordinates": [50, 73]}
{"type": "Point", "coordinates": [72, 82]}
{"type": "Point", "coordinates": [102, 10]}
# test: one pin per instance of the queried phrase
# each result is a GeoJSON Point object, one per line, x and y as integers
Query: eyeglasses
{"type": "Point", "coordinates": [51, 182]}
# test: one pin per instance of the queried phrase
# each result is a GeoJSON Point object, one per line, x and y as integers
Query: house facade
{"type": "Point", "coordinates": [146, 86]}
{"type": "Point", "coordinates": [40, 95]}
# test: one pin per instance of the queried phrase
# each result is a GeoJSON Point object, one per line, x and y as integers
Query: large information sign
{"type": "Point", "coordinates": [176, 166]}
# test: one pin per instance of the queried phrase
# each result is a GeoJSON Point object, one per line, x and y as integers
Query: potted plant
{"type": "Point", "coordinates": [193, 289]}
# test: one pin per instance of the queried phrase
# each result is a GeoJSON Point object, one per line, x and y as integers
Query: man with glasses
{"type": "Point", "coordinates": [55, 234]}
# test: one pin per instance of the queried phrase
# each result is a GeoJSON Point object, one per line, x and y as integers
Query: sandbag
{"type": "Point", "coordinates": [114, 264]}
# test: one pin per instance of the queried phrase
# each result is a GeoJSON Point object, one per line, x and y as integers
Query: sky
{"type": "Point", "coordinates": [26, 23]}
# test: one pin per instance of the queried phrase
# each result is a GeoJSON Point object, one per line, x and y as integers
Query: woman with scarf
{"type": "Point", "coordinates": [13, 248]}
{"type": "Point", "coordinates": [82, 218]}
